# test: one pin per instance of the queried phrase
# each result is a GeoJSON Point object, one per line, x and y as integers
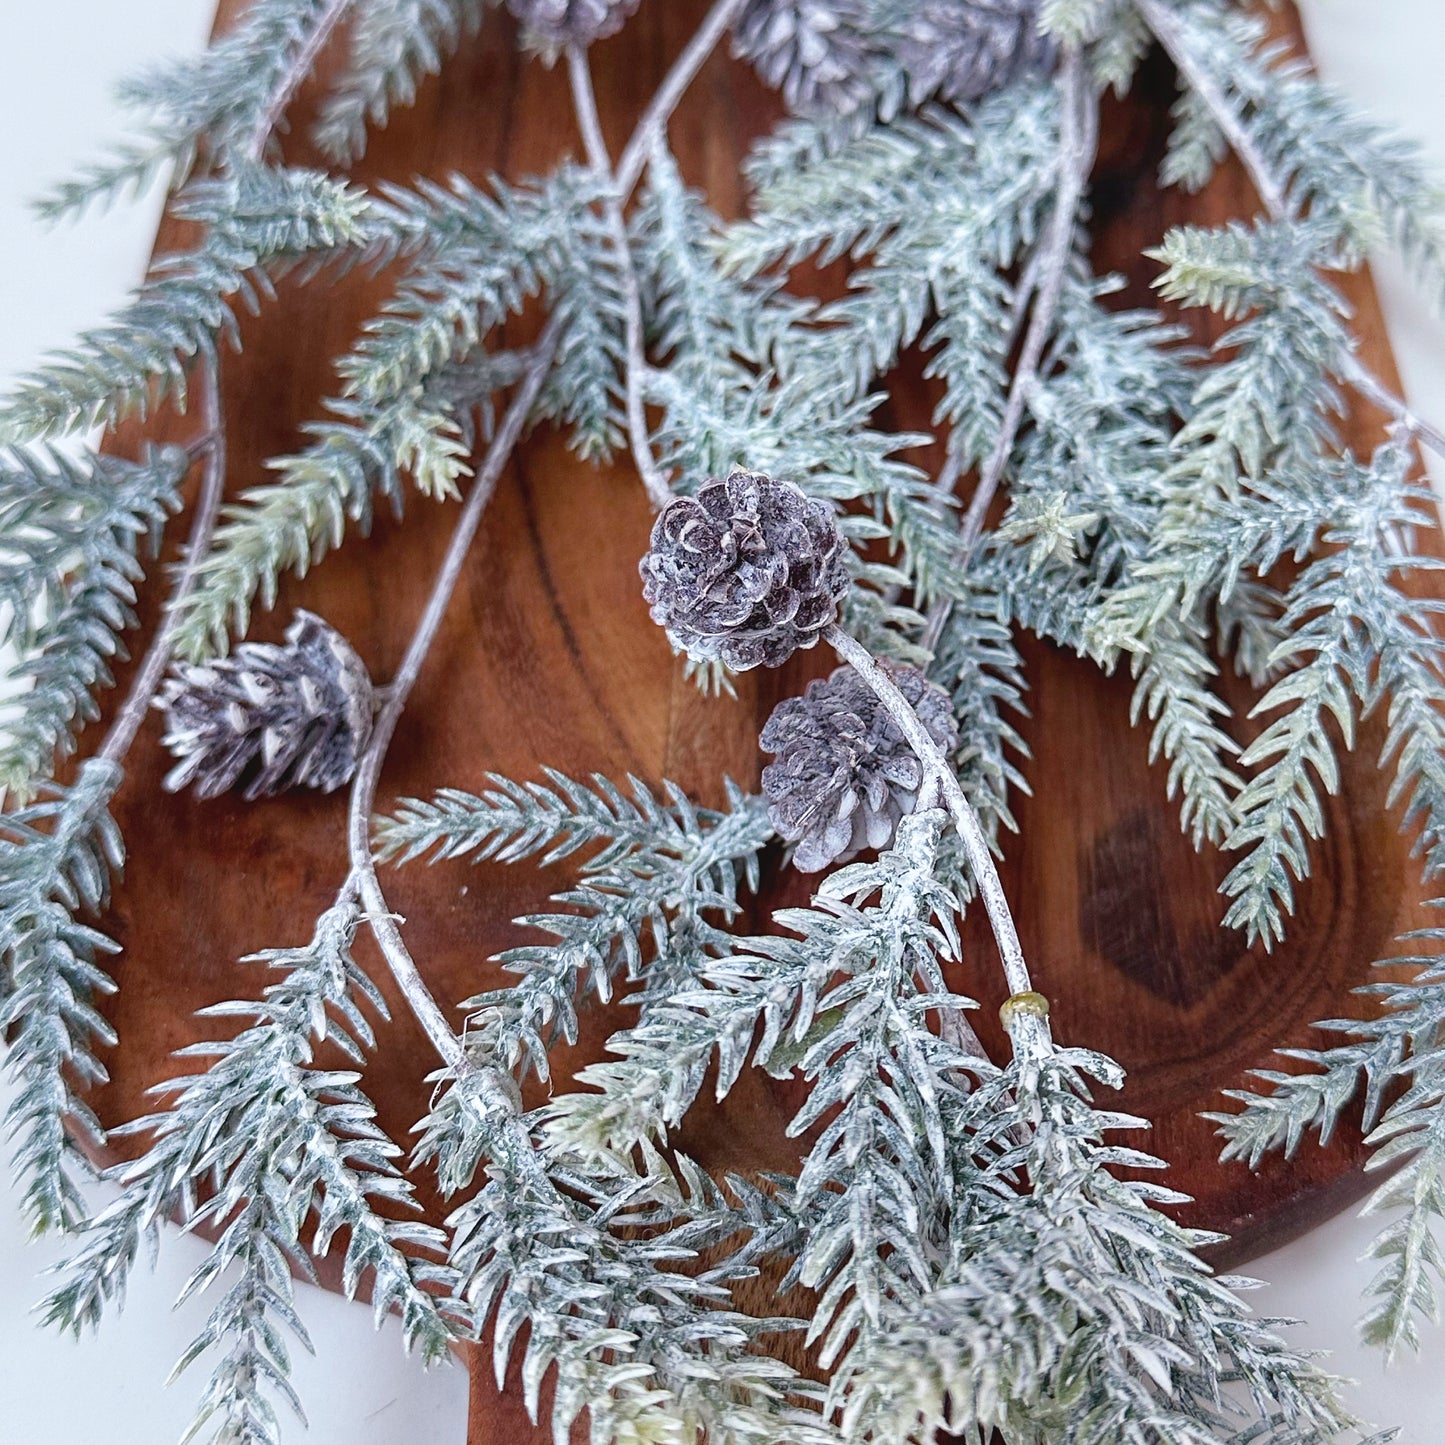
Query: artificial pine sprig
{"type": "Point", "coordinates": [56, 860]}
{"type": "Point", "coordinates": [391, 49]}
{"type": "Point", "coordinates": [75, 533]}
{"type": "Point", "coordinates": [253, 1147]}
{"type": "Point", "coordinates": [975, 1261]}
{"type": "Point", "coordinates": [259, 221]}
{"type": "Point", "coordinates": [1393, 1060]}
{"type": "Point", "coordinates": [647, 911]}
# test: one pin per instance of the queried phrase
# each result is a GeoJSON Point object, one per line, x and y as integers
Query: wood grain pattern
{"type": "Point", "coordinates": [547, 657]}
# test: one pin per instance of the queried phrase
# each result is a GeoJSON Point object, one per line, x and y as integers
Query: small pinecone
{"type": "Point", "coordinates": [746, 572]}
{"type": "Point", "coordinates": [815, 51]}
{"type": "Point", "coordinates": [271, 717]}
{"type": "Point", "coordinates": [845, 774]}
{"type": "Point", "coordinates": [571, 22]}
{"type": "Point", "coordinates": [963, 49]}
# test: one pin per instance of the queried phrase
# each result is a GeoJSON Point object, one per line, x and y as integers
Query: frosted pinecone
{"type": "Point", "coordinates": [270, 717]}
{"type": "Point", "coordinates": [817, 52]}
{"type": "Point", "coordinates": [571, 22]}
{"type": "Point", "coordinates": [746, 572]}
{"type": "Point", "coordinates": [845, 775]}
{"type": "Point", "coordinates": [963, 49]}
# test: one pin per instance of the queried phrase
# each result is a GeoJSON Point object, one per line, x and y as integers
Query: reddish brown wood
{"type": "Point", "coordinates": [547, 657]}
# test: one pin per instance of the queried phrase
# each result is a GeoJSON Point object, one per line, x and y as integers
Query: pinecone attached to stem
{"type": "Point", "coordinates": [963, 49]}
{"type": "Point", "coordinates": [270, 717]}
{"type": "Point", "coordinates": [555, 23]}
{"type": "Point", "coordinates": [816, 52]}
{"type": "Point", "coordinates": [844, 774]}
{"type": "Point", "coordinates": [746, 572]}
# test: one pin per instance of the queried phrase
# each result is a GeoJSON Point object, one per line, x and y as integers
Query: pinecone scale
{"type": "Point", "coordinates": [815, 51]}
{"type": "Point", "coordinates": [829, 56]}
{"type": "Point", "coordinates": [555, 23]}
{"type": "Point", "coordinates": [270, 717]}
{"type": "Point", "coordinates": [963, 49]}
{"type": "Point", "coordinates": [844, 775]}
{"type": "Point", "coordinates": [746, 572]}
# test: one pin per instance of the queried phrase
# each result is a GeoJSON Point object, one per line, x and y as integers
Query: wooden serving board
{"type": "Point", "coordinates": [547, 656]}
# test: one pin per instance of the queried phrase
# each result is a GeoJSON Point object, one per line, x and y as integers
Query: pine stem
{"type": "Point", "coordinates": [1173, 36]}
{"type": "Point", "coordinates": [654, 120]}
{"type": "Point", "coordinates": [212, 442]}
{"type": "Point", "coordinates": [296, 73]}
{"type": "Point", "coordinates": [585, 101]}
{"type": "Point", "coordinates": [363, 788]}
{"type": "Point", "coordinates": [1078, 136]}
{"type": "Point", "coordinates": [1078, 128]}
{"type": "Point", "coordinates": [936, 765]}
{"type": "Point", "coordinates": [127, 722]}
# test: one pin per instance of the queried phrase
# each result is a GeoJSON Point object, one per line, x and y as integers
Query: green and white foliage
{"type": "Point", "coordinates": [392, 46]}
{"type": "Point", "coordinates": [788, 986]}
{"type": "Point", "coordinates": [277, 1155]}
{"type": "Point", "coordinates": [966, 1255]}
{"type": "Point", "coordinates": [939, 207]}
{"type": "Point", "coordinates": [210, 112]}
{"type": "Point", "coordinates": [1260, 476]}
{"type": "Point", "coordinates": [258, 223]}
{"type": "Point", "coordinates": [845, 1002]}
{"type": "Point", "coordinates": [935, 211]}
{"type": "Point", "coordinates": [414, 380]}
{"type": "Point", "coordinates": [1353, 639]}
{"type": "Point", "coordinates": [1394, 1057]}
{"type": "Point", "coordinates": [1067, 1306]}
{"type": "Point", "coordinates": [74, 533]}
{"type": "Point", "coordinates": [1356, 180]}
{"type": "Point", "coordinates": [974, 1261]}
{"type": "Point", "coordinates": [57, 857]}
{"type": "Point", "coordinates": [976, 660]}
{"type": "Point", "coordinates": [649, 909]}
{"type": "Point", "coordinates": [600, 1269]}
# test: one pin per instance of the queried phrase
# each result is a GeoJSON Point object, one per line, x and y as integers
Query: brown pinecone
{"type": "Point", "coordinates": [817, 52]}
{"type": "Point", "coordinates": [745, 572]}
{"type": "Point", "coordinates": [571, 22]}
{"type": "Point", "coordinates": [270, 717]}
{"type": "Point", "coordinates": [845, 775]}
{"type": "Point", "coordinates": [963, 49]}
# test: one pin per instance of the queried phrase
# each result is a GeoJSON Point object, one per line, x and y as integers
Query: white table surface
{"type": "Point", "coordinates": [60, 59]}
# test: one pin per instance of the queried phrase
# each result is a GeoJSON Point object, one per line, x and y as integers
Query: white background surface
{"type": "Point", "coordinates": [60, 58]}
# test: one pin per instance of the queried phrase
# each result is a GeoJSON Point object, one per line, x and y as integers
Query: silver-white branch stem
{"type": "Point", "coordinates": [584, 100]}
{"type": "Point", "coordinates": [1078, 133]}
{"type": "Point", "coordinates": [296, 72]}
{"type": "Point", "coordinates": [1078, 138]}
{"type": "Point", "coordinates": [654, 120]}
{"type": "Point", "coordinates": [1172, 34]}
{"type": "Point", "coordinates": [936, 765]}
{"type": "Point", "coordinates": [126, 724]}
{"type": "Point", "coordinates": [363, 788]}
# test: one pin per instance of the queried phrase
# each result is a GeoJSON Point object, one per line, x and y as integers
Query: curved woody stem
{"type": "Point", "coordinates": [585, 102]}
{"type": "Point", "coordinates": [975, 844]}
{"type": "Point", "coordinates": [126, 724]}
{"type": "Point", "coordinates": [1173, 35]}
{"type": "Point", "coordinates": [1044, 278]}
{"type": "Point", "coordinates": [296, 72]}
{"type": "Point", "coordinates": [211, 444]}
{"type": "Point", "coordinates": [362, 877]}
{"type": "Point", "coordinates": [363, 788]}
{"type": "Point", "coordinates": [659, 111]}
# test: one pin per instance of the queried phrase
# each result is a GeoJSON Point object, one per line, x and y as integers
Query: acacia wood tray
{"type": "Point", "coordinates": [547, 657]}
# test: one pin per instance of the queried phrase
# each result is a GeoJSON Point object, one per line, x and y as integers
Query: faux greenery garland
{"type": "Point", "coordinates": [973, 1259]}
